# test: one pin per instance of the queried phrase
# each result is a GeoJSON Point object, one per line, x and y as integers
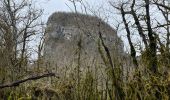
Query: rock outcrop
{"type": "Point", "coordinates": [66, 31]}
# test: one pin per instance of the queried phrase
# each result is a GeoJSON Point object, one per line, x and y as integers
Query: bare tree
{"type": "Point", "coordinates": [143, 24]}
{"type": "Point", "coordinates": [19, 21]}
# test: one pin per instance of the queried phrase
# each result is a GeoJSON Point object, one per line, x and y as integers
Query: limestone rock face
{"type": "Point", "coordinates": [66, 31]}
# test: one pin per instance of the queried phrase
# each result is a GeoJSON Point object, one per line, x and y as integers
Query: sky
{"type": "Point", "coordinates": [51, 6]}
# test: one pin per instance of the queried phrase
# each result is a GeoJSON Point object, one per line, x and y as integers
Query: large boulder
{"type": "Point", "coordinates": [65, 31]}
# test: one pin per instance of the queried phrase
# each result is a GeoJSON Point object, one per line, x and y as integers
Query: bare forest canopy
{"type": "Point", "coordinates": [79, 56]}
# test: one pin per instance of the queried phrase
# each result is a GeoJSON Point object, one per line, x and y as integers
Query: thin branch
{"type": "Point", "coordinates": [139, 27]}
{"type": "Point", "coordinates": [162, 5]}
{"type": "Point", "coordinates": [152, 39]}
{"type": "Point", "coordinates": [132, 48]}
{"type": "Point", "coordinates": [18, 82]}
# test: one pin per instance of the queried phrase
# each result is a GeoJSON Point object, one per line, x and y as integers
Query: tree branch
{"type": "Point", "coordinates": [162, 5]}
{"type": "Point", "coordinates": [132, 48]}
{"type": "Point", "coordinates": [139, 27]}
{"type": "Point", "coordinates": [18, 82]}
{"type": "Point", "coordinates": [152, 39]}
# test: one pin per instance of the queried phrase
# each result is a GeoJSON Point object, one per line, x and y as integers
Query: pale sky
{"type": "Point", "coordinates": [51, 6]}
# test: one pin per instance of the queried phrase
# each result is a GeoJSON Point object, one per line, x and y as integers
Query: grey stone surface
{"type": "Point", "coordinates": [63, 32]}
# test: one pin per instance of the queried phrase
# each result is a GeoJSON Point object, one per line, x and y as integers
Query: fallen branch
{"type": "Point", "coordinates": [18, 82]}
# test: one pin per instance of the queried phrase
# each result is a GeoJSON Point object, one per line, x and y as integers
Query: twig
{"type": "Point", "coordinates": [18, 82]}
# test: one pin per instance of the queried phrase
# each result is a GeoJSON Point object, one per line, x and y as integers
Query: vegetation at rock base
{"type": "Point", "coordinates": [115, 77]}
